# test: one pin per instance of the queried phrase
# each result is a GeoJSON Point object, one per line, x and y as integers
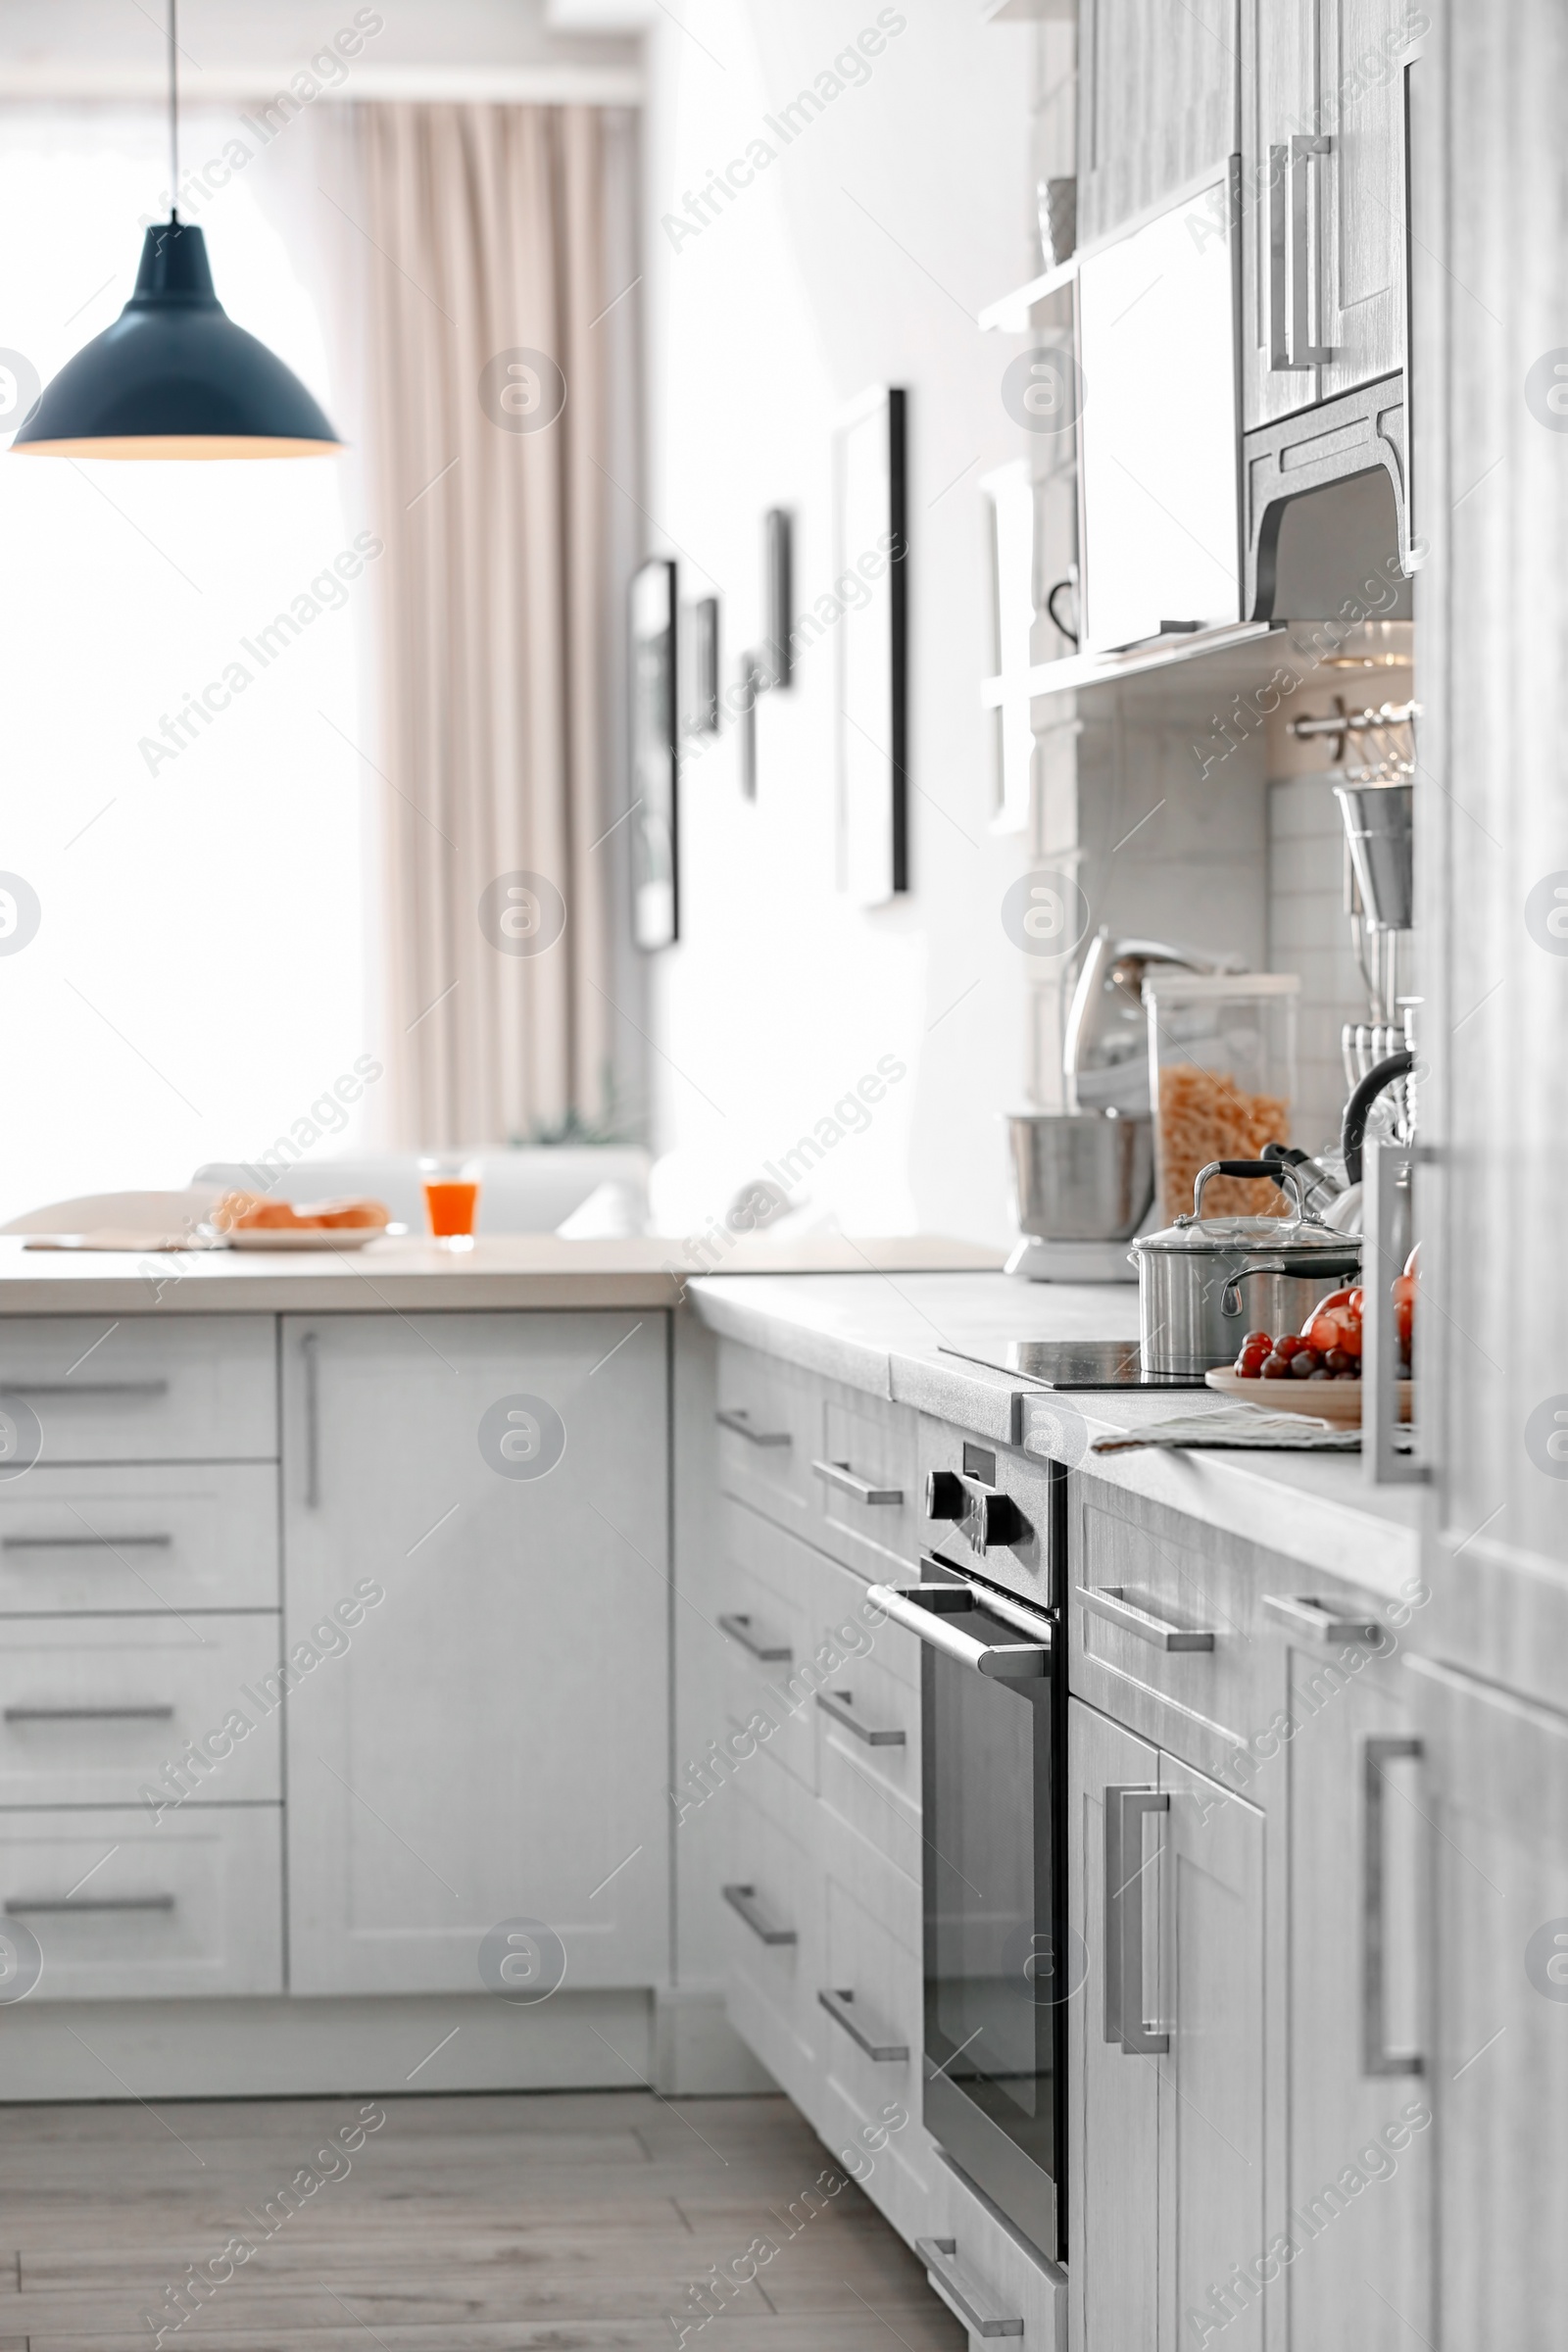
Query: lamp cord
{"type": "Point", "coordinates": [174, 115]}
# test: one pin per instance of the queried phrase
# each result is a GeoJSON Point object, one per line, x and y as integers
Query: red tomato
{"type": "Point", "coordinates": [1334, 1299]}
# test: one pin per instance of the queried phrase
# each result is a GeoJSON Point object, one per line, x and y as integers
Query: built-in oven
{"type": "Point", "coordinates": [998, 1972]}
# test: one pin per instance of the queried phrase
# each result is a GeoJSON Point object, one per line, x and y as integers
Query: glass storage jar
{"type": "Point", "coordinates": [1222, 1053]}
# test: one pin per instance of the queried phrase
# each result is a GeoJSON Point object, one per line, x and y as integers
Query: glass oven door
{"type": "Point", "coordinates": [995, 1983]}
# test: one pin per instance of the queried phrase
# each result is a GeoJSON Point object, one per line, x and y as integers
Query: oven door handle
{"type": "Point", "coordinates": [916, 1608]}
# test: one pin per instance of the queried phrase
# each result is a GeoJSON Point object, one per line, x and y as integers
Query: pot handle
{"type": "Point", "coordinates": [1279, 1170]}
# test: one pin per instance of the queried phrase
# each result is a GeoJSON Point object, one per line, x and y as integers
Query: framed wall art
{"type": "Point", "coordinates": [654, 755]}
{"type": "Point", "coordinates": [871, 635]}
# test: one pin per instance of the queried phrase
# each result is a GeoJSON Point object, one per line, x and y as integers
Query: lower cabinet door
{"type": "Point", "coordinates": [1499, 1778]}
{"type": "Point", "coordinates": [1166, 2187]}
{"type": "Point", "coordinates": [476, 1608]}
{"type": "Point", "coordinates": [1357, 2205]}
{"type": "Point", "coordinates": [1114, 2097]}
{"type": "Point", "coordinates": [1203, 1985]}
{"type": "Point", "coordinates": [117, 1906]}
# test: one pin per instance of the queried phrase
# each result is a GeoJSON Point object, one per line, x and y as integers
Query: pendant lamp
{"type": "Point", "coordinates": [174, 376]}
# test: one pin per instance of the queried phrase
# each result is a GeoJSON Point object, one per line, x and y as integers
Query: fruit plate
{"type": "Point", "coordinates": [1336, 1401]}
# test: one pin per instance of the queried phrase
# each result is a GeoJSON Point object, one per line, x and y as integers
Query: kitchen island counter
{"type": "Point", "coordinates": [910, 1338]}
{"type": "Point", "coordinates": [408, 1274]}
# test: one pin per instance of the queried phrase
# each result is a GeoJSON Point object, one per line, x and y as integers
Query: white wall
{"type": "Point", "coordinates": [860, 255]}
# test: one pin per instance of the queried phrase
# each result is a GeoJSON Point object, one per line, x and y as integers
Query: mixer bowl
{"type": "Point", "coordinates": [1081, 1175]}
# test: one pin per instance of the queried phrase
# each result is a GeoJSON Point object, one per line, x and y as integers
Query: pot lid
{"type": "Point", "coordinates": [1299, 1235]}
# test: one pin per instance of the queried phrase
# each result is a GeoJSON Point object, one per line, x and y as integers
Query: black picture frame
{"type": "Point", "coordinates": [651, 647]}
{"type": "Point", "coordinates": [756, 677]}
{"type": "Point", "coordinates": [870, 539]}
{"type": "Point", "coordinates": [779, 565]}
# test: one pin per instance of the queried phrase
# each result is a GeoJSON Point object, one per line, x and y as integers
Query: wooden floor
{"type": "Point", "coordinates": [577, 2222]}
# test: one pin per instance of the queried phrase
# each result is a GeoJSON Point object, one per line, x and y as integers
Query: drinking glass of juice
{"type": "Point", "coordinates": [451, 1199]}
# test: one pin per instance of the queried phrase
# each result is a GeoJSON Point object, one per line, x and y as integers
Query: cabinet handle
{"type": "Point", "coordinates": [958, 2291]}
{"type": "Point", "coordinates": [15, 1906]}
{"type": "Point", "coordinates": [1382, 1166]}
{"type": "Point", "coordinates": [1317, 1622]}
{"type": "Point", "coordinates": [840, 1706]}
{"type": "Point", "coordinates": [1279, 342]}
{"type": "Point", "coordinates": [840, 2008]}
{"type": "Point", "coordinates": [84, 1388]}
{"type": "Point", "coordinates": [84, 1543]}
{"type": "Point", "coordinates": [1107, 1600]}
{"type": "Point", "coordinates": [1375, 2056]}
{"type": "Point", "coordinates": [1303, 351]}
{"type": "Point", "coordinates": [743, 1899]}
{"type": "Point", "coordinates": [840, 1475]}
{"type": "Point", "coordinates": [88, 1714]}
{"type": "Point", "coordinates": [1125, 1808]}
{"type": "Point", "coordinates": [740, 1422]}
{"type": "Point", "coordinates": [313, 1423]}
{"type": "Point", "coordinates": [738, 1628]}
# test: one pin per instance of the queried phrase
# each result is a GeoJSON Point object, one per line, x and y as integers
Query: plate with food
{"type": "Point", "coordinates": [1318, 1370]}
{"type": "Point", "coordinates": [251, 1221]}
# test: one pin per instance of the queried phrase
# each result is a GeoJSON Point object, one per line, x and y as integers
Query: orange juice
{"type": "Point", "coordinates": [449, 1204]}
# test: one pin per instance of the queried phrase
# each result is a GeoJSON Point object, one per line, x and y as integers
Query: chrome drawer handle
{"type": "Point", "coordinates": [313, 1422]}
{"type": "Point", "coordinates": [84, 1388]}
{"type": "Point", "coordinates": [1375, 2056]}
{"type": "Point", "coordinates": [83, 1543]}
{"type": "Point", "coordinates": [1107, 1602]}
{"type": "Point", "coordinates": [88, 1714]}
{"type": "Point", "coordinates": [738, 1628]}
{"type": "Point", "coordinates": [1302, 1614]}
{"type": "Point", "coordinates": [743, 1900]}
{"type": "Point", "coordinates": [840, 1475]}
{"type": "Point", "coordinates": [15, 1906]}
{"type": "Point", "coordinates": [840, 1706]}
{"type": "Point", "coordinates": [840, 2008]}
{"type": "Point", "coordinates": [740, 1421]}
{"type": "Point", "coordinates": [958, 2291]}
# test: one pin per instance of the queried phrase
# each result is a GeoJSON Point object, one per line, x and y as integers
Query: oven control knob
{"type": "Point", "coordinates": [945, 1497]}
{"type": "Point", "coordinates": [991, 1518]}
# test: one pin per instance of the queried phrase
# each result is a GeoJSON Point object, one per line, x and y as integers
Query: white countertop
{"type": "Point", "coordinates": [408, 1275]}
{"type": "Point", "coordinates": [905, 1336]}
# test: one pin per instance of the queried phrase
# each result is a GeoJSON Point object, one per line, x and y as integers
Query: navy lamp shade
{"type": "Point", "coordinates": [175, 377]}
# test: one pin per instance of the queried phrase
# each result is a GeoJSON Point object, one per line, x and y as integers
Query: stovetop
{"type": "Point", "coordinates": [1078, 1364]}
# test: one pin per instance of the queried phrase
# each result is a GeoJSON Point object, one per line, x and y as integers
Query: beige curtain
{"type": "Point", "coordinates": [485, 234]}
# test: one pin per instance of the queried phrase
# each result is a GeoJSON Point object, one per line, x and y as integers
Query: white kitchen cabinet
{"type": "Point", "coordinates": [1166, 1880]}
{"type": "Point", "coordinates": [140, 1538]}
{"type": "Point", "coordinates": [146, 1388]}
{"type": "Point", "coordinates": [106, 1710]}
{"type": "Point", "coordinates": [1323, 173]}
{"type": "Point", "coordinates": [489, 1741]}
{"type": "Point", "coordinates": [1158, 96]}
{"type": "Point", "coordinates": [1499, 1768]}
{"type": "Point", "coordinates": [123, 1907]}
{"type": "Point", "coordinates": [1358, 2039]}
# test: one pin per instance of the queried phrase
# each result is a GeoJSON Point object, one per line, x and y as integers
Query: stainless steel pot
{"type": "Point", "coordinates": [1203, 1283]}
{"type": "Point", "coordinates": [1081, 1176]}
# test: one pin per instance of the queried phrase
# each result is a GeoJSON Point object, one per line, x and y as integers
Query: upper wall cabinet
{"type": "Point", "coordinates": [1323, 192]}
{"type": "Point", "coordinates": [1158, 103]}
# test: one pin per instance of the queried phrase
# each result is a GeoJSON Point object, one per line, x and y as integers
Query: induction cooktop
{"type": "Point", "coordinates": [1078, 1364]}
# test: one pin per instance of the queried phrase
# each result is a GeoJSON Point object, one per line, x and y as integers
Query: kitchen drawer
{"type": "Point", "coordinates": [1141, 1577]}
{"type": "Point", "coordinates": [886, 2012]}
{"type": "Point", "coordinates": [765, 1416]}
{"type": "Point", "coordinates": [869, 1512]}
{"type": "Point", "coordinates": [976, 2259]}
{"type": "Point", "coordinates": [94, 1710]}
{"type": "Point", "coordinates": [868, 1753]}
{"type": "Point", "coordinates": [773, 1897]}
{"type": "Point", "coordinates": [768, 1588]}
{"type": "Point", "coordinates": [189, 1907]}
{"type": "Point", "coordinates": [139, 1538]}
{"type": "Point", "coordinates": [146, 1388]}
